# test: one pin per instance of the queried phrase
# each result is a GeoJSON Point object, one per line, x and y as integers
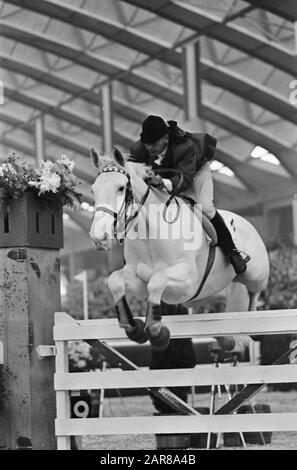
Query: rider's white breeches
{"type": "Point", "coordinates": [202, 191]}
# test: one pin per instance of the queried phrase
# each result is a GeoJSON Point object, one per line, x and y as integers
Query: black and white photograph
{"type": "Point", "coordinates": [148, 229]}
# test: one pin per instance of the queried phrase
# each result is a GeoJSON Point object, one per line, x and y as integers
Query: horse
{"type": "Point", "coordinates": [166, 268]}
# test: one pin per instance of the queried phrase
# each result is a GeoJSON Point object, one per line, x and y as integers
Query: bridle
{"type": "Point", "coordinates": [128, 201]}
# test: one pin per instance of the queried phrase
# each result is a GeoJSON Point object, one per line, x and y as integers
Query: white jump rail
{"type": "Point", "coordinates": [181, 326]}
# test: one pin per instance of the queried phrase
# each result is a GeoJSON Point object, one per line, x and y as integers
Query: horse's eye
{"type": "Point", "coordinates": [121, 188]}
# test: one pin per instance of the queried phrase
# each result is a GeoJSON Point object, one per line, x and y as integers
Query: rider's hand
{"type": "Point", "coordinates": [156, 181]}
{"type": "Point", "coordinates": [168, 184]}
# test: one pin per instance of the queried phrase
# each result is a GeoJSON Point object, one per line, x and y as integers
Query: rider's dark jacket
{"type": "Point", "coordinates": [186, 152]}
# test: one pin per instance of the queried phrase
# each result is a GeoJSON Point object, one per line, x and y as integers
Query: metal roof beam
{"type": "Point", "coordinates": [235, 36]}
{"type": "Point", "coordinates": [128, 111]}
{"type": "Point", "coordinates": [149, 45]}
{"type": "Point", "coordinates": [286, 9]}
{"type": "Point", "coordinates": [256, 136]}
{"type": "Point", "coordinates": [92, 61]}
{"type": "Point", "coordinates": [214, 74]}
{"type": "Point", "coordinates": [114, 31]}
{"type": "Point", "coordinates": [251, 176]}
{"type": "Point", "coordinates": [249, 132]}
{"type": "Point", "coordinates": [110, 29]}
{"type": "Point", "coordinates": [248, 90]}
{"type": "Point", "coordinates": [58, 113]}
{"type": "Point", "coordinates": [214, 114]}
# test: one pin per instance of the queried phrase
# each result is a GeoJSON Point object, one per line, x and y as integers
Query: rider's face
{"type": "Point", "coordinates": [157, 147]}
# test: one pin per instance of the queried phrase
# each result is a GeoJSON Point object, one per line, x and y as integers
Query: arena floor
{"type": "Point", "coordinates": [140, 406]}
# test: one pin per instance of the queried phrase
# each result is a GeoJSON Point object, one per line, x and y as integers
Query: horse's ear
{"type": "Point", "coordinates": [94, 157]}
{"type": "Point", "coordinates": [119, 157]}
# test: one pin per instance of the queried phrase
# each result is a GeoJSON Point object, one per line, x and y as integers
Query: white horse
{"type": "Point", "coordinates": [166, 268]}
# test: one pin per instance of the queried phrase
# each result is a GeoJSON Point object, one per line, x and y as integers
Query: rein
{"type": "Point", "coordinates": [172, 194]}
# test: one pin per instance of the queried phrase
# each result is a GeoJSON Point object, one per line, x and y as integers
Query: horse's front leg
{"type": "Point", "coordinates": [178, 279]}
{"type": "Point", "coordinates": [119, 282]}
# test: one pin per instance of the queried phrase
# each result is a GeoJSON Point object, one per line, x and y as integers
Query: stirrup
{"type": "Point", "coordinates": [239, 264]}
{"type": "Point", "coordinates": [240, 253]}
{"type": "Point", "coordinates": [247, 257]}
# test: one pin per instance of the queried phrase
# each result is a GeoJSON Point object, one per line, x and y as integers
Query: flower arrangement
{"type": "Point", "coordinates": [53, 182]}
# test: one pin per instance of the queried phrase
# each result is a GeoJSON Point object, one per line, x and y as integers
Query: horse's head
{"type": "Point", "coordinates": [111, 190]}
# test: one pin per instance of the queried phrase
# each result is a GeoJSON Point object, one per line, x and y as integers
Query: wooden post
{"type": "Point", "coordinates": [30, 238]}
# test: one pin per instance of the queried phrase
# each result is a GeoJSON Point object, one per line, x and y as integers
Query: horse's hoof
{"type": "Point", "coordinates": [161, 341]}
{"type": "Point", "coordinates": [226, 342]}
{"type": "Point", "coordinates": [138, 334]}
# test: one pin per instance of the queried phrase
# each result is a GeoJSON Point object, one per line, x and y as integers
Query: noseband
{"type": "Point", "coordinates": [128, 201]}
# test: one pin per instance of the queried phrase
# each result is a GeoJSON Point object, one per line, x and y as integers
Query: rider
{"type": "Point", "coordinates": [165, 145]}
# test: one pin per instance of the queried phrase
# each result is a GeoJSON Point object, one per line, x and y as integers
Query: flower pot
{"type": "Point", "coordinates": [31, 222]}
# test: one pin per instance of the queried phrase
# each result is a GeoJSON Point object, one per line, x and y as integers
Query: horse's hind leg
{"type": "Point", "coordinates": [253, 307]}
{"type": "Point", "coordinates": [253, 300]}
{"type": "Point", "coordinates": [238, 300]}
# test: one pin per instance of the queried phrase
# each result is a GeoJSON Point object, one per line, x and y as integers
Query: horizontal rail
{"type": "Point", "coordinates": [118, 379]}
{"type": "Point", "coordinates": [185, 326]}
{"type": "Point", "coordinates": [177, 424]}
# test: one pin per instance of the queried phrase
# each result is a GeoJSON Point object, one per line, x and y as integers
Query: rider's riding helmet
{"type": "Point", "coordinates": [153, 128]}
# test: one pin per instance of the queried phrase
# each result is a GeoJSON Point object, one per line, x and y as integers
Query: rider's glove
{"type": "Point", "coordinates": [156, 181]}
{"type": "Point", "coordinates": [168, 184]}
{"type": "Point", "coordinates": [161, 183]}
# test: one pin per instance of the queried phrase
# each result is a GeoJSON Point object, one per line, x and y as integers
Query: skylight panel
{"type": "Point", "coordinates": [220, 168]}
{"type": "Point", "coordinates": [262, 154]}
{"type": "Point", "coordinates": [215, 165]}
{"type": "Point", "coordinates": [226, 171]}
